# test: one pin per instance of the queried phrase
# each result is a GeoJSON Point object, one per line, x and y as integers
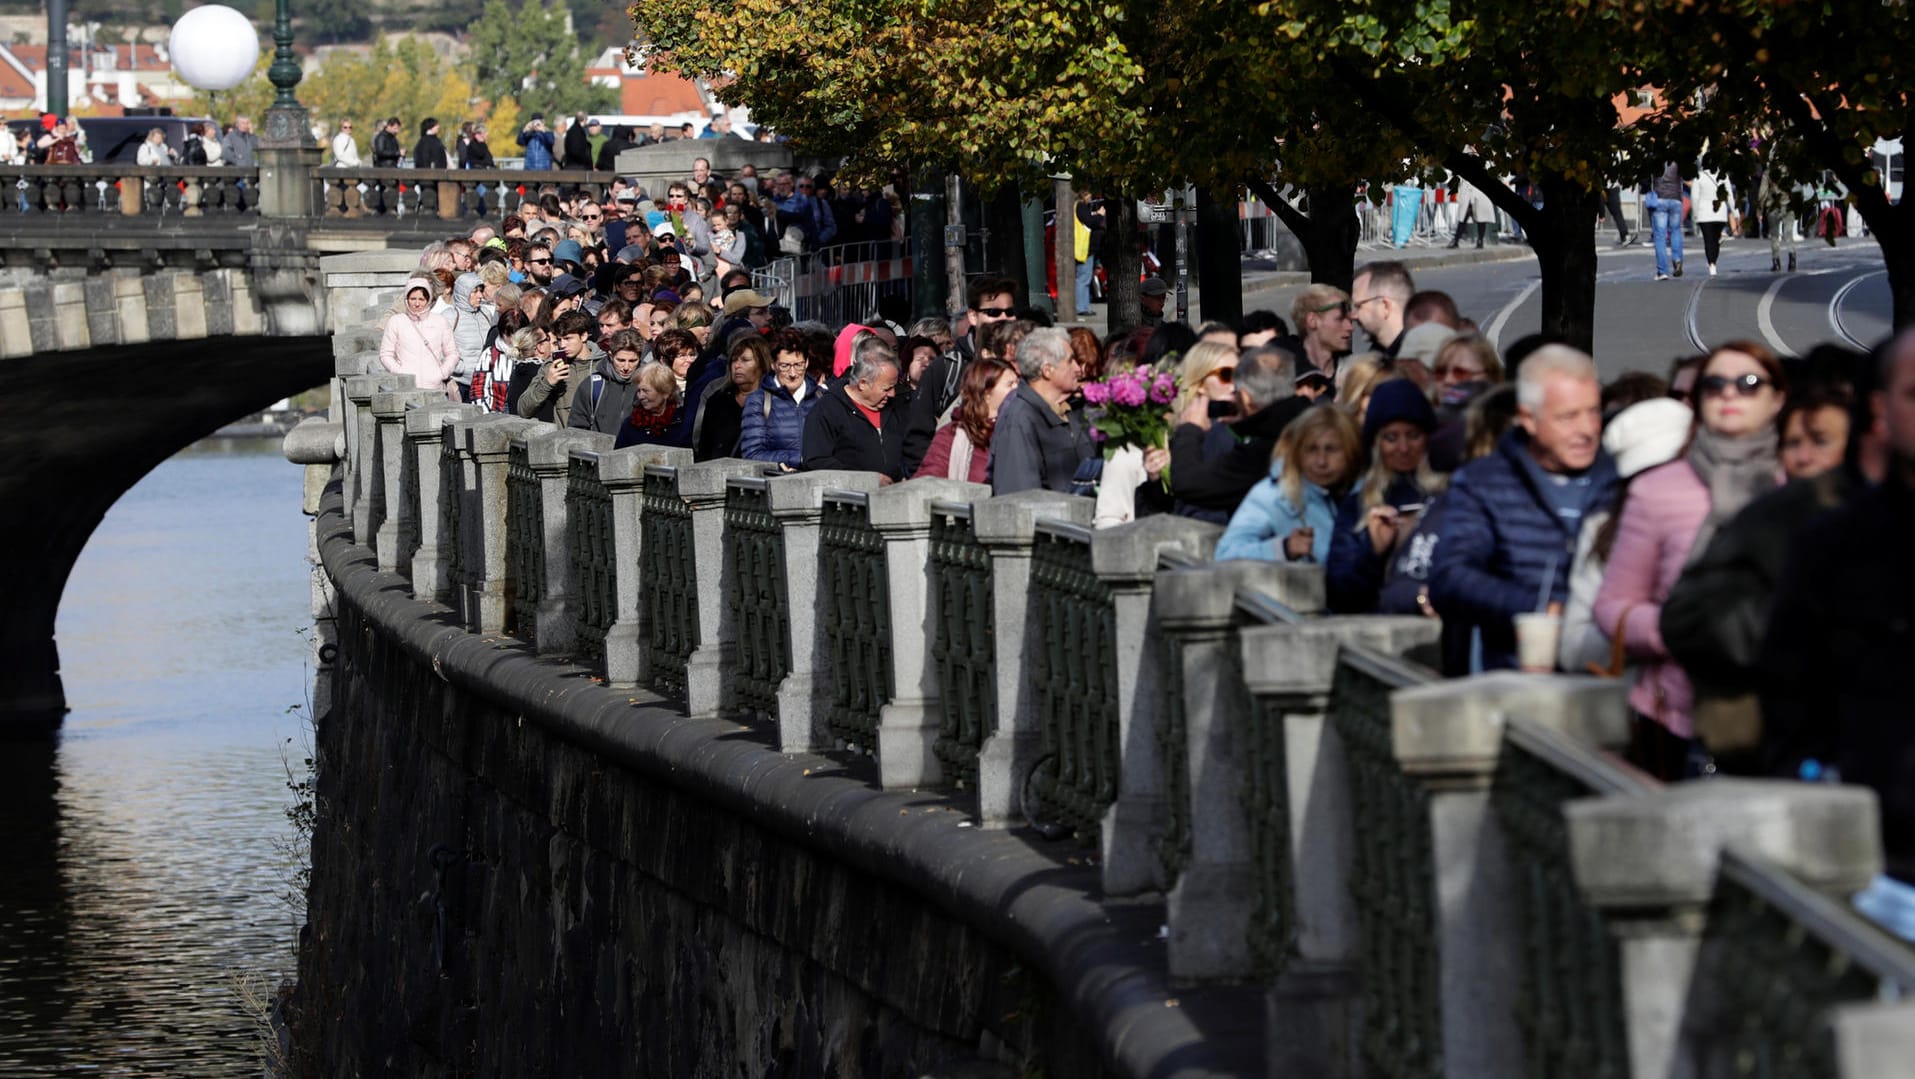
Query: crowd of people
{"type": "Point", "coordinates": [580, 142]}
{"type": "Point", "coordinates": [1719, 533]}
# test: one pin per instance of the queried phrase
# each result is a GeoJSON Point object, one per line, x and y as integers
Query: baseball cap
{"type": "Point", "coordinates": [743, 300]}
{"type": "Point", "coordinates": [565, 285]}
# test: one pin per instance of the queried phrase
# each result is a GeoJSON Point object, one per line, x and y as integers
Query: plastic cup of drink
{"type": "Point", "coordinates": [1537, 635]}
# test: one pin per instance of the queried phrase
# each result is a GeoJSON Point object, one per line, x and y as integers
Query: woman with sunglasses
{"type": "Point", "coordinates": [1673, 510]}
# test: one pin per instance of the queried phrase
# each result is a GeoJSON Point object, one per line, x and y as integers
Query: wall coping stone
{"type": "Point", "coordinates": [1012, 519]}
{"type": "Point", "coordinates": [628, 464]}
{"type": "Point", "coordinates": [1127, 553]}
{"type": "Point", "coordinates": [906, 506]}
{"type": "Point", "coordinates": [1457, 725]}
{"type": "Point", "coordinates": [801, 494]}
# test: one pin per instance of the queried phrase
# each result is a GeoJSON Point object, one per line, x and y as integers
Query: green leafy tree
{"type": "Point", "coordinates": [529, 55]}
{"type": "Point", "coordinates": [332, 20]}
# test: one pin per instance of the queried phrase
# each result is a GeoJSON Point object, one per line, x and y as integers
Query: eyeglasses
{"type": "Point", "coordinates": [997, 312]}
{"type": "Point", "coordinates": [1719, 385]}
{"type": "Point", "coordinates": [792, 368]}
{"type": "Point", "coordinates": [1458, 373]}
{"type": "Point", "coordinates": [1371, 300]}
{"type": "Point", "coordinates": [1341, 307]}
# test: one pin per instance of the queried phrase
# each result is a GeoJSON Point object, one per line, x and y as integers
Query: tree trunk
{"type": "Point", "coordinates": [1565, 246]}
{"type": "Point", "coordinates": [1328, 233]}
{"type": "Point", "coordinates": [1004, 217]}
{"type": "Point", "coordinates": [1126, 265]}
{"type": "Point", "coordinates": [930, 285]}
{"type": "Point", "coordinates": [1893, 227]}
{"type": "Point", "coordinates": [1219, 257]}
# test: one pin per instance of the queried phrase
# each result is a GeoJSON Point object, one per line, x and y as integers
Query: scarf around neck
{"type": "Point", "coordinates": [1735, 470]}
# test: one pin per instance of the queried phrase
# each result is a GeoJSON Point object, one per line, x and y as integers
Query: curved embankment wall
{"type": "Point", "coordinates": [517, 871]}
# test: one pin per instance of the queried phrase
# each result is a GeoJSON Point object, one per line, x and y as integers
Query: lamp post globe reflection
{"type": "Point", "coordinates": [213, 48]}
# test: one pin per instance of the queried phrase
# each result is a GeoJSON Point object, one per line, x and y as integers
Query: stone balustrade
{"type": "Point", "coordinates": [1429, 878]}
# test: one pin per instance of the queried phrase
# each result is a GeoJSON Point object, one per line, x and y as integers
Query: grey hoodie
{"type": "Point", "coordinates": [603, 400]}
{"type": "Point", "coordinates": [470, 326]}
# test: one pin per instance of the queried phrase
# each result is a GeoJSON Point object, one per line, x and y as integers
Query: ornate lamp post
{"type": "Point", "coordinates": [287, 121]}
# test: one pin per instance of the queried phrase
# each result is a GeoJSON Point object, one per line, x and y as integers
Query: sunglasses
{"type": "Point", "coordinates": [997, 312]}
{"type": "Point", "coordinates": [1719, 385]}
{"type": "Point", "coordinates": [1225, 375]}
{"type": "Point", "coordinates": [1341, 307]}
{"type": "Point", "coordinates": [540, 262]}
{"type": "Point", "coordinates": [594, 217]}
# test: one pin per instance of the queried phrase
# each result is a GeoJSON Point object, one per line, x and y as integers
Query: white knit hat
{"type": "Point", "coordinates": [1647, 434]}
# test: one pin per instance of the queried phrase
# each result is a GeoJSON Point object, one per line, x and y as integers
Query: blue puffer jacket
{"type": "Point", "coordinates": [1501, 536]}
{"type": "Point", "coordinates": [1354, 574]}
{"type": "Point", "coordinates": [1258, 528]}
{"type": "Point", "coordinates": [776, 433]}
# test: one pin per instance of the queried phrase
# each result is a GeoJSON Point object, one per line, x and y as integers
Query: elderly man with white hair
{"type": "Point", "coordinates": [859, 424]}
{"type": "Point", "coordinates": [1511, 520]}
{"type": "Point", "coordinates": [1040, 440]}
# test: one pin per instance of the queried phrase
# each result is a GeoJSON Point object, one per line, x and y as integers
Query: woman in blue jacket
{"type": "Point", "coordinates": [1369, 523]}
{"type": "Point", "coordinates": [1289, 516]}
{"type": "Point", "coordinates": [773, 426]}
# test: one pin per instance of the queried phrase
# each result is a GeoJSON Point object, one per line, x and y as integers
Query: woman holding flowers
{"type": "Point", "coordinates": [1290, 516]}
{"type": "Point", "coordinates": [1130, 419]}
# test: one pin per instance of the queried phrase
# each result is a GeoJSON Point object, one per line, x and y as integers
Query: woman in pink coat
{"type": "Point", "coordinates": [416, 344]}
{"type": "Point", "coordinates": [1671, 511]}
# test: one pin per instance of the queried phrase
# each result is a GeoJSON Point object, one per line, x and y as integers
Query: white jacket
{"type": "Point", "coordinates": [1710, 197]}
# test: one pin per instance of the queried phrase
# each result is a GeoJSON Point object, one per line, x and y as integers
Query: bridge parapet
{"type": "Point", "coordinates": [1426, 878]}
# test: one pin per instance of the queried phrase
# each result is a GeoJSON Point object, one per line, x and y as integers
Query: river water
{"type": "Point", "coordinates": [146, 862]}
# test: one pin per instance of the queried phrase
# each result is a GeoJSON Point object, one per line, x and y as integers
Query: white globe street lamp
{"type": "Point", "coordinates": [214, 48]}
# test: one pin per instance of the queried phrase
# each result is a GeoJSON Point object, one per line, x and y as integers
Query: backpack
{"type": "Point", "coordinates": [64, 152]}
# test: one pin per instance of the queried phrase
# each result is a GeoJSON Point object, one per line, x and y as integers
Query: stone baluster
{"type": "Point", "coordinates": [804, 698]}
{"type": "Point", "coordinates": [485, 444]}
{"type": "Point", "coordinates": [702, 486]}
{"type": "Point", "coordinates": [1307, 928]}
{"type": "Point", "coordinates": [908, 724]}
{"type": "Point", "coordinates": [191, 197]}
{"type": "Point", "coordinates": [1196, 608]}
{"type": "Point", "coordinates": [389, 510]}
{"type": "Point", "coordinates": [1874, 1039]}
{"type": "Point", "coordinates": [426, 430]}
{"type": "Point", "coordinates": [362, 465]}
{"type": "Point", "coordinates": [623, 474]}
{"type": "Point", "coordinates": [549, 453]}
{"type": "Point", "coordinates": [1650, 862]}
{"type": "Point", "coordinates": [1445, 739]}
{"type": "Point", "coordinates": [1005, 525]}
{"type": "Point", "coordinates": [1125, 559]}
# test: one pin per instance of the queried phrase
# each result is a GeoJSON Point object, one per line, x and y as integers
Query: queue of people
{"type": "Point", "coordinates": [1683, 531]}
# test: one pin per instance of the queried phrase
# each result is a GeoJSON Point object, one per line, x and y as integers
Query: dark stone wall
{"type": "Point", "coordinates": [489, 899]}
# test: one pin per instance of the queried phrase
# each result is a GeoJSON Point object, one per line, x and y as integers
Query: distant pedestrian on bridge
{"type": "Point", "coordinates": [430, 151]}
{"type": "Point", "coordinates": [240, 147]}
{"type": "Point", "coordinates": [538, 143]}
{"type": "Point", "coordinates": [345, 150]}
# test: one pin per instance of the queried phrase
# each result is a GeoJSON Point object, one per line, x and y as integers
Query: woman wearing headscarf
{"type": "Point", "coordinates": [414, 343]}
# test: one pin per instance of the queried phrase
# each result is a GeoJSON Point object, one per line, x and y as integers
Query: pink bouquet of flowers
{"type": "Point", "coordinates": [1129, 407]}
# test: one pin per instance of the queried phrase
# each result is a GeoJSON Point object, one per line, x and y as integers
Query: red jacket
{"type": "Point", "coordinates": [937, 459]}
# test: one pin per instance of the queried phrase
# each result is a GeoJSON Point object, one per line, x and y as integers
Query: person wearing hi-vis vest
{"type": "Point", "coordinates": [1087, 236]}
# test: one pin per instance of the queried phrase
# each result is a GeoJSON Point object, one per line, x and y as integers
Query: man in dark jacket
{"type": "Point", "coordinates": [385, 146]}
{"type": "Point", "coordinates": [1512, 518]}
{"type": "Point", "coordinates": [1834, 668]}
{"type": "Point", "coordinates": [1213, 467]}
{"type": "Point", "coordinates": [620, 142]}
{"type": "Point", "coordinates": [1040, 440]}
{"type": "Point", "coordinates": [991, 299]}
{"type": "Point", "coordinates": [857, 425]}
{"type": "Point", "coordinates": [1379, 299]}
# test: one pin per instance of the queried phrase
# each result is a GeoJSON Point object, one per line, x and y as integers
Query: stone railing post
{"type": "Point", "coordinates": [362, 465]}
{"type": "Point", "coordinates": [908, 725]}
{"type": "Point", "coordinates": [702, 486]}
{"type": "Point", "coordinates": [486, 444]}
{"type": "Point", "coordinates": [804, 698]}
{"type": "Point", "coordinates": [1874, 1039]}
{"type": "Point", "coordinates": [426, 431]}
{"type": "Point", "coordinates": [1446, 738]}
{"type": "Point", "coordinates": [1125, 559]}
{"type": "Point", "coordinates": [1005, 526]}
{"type": "Point", "coordinates": [1207, 839]}
{"type": "Point", "coordinates": [549, 452]}
{"type": "Point", "coordinates": [623, 474]}
{"type": "Point", "coordinates": [1295, 805]}
{"type": "Point", "coordinates": [390, 509]}
{"type": "Point", "coordinates": [1650, 863]}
